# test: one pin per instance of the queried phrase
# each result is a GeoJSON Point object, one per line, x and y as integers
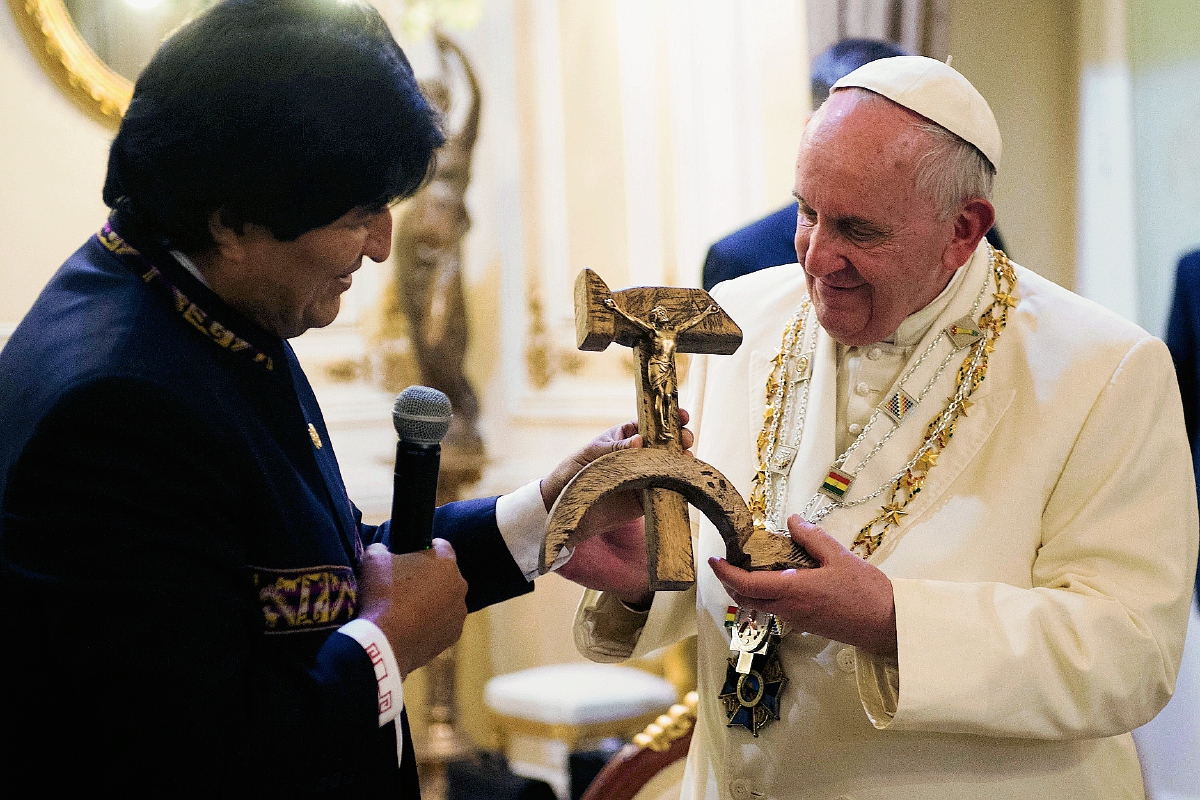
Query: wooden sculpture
{"type": "Point", "coordinates": [658, 322]}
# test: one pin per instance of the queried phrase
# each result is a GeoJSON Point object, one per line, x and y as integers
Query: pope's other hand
{"type": "Point", "coordinates": [610, 544]}
{"type": "Point", "coordinates": [844, 599]}
{"type": "Point", "coordinates": [613, 561]}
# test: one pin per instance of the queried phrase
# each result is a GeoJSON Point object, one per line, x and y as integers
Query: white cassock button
{"type": "Point", "coordinates": [845, 659]}
{"type": "Point", "coordinates": [862, 388]}
{"type": "Point", "coordinates": [740, 788]}
{"type": "Point", "coordinates": [874, 353]}
{"type": "Point", "coordinates": [854, 428]}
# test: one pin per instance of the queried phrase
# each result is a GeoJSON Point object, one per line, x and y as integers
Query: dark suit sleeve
{"type": "Point", "coordinates": [138, 648]}
{"type": "Point", "coordinates": [768, 242]}
{"type": "Point", "coordinates": [484, 560]}
{"type": "Point", "coordinates": [1181, 340]}
{"type": "Point", "coordinates": [1183, 329]}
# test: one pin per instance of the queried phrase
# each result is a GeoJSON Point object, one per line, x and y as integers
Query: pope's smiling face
{"type": "Point", "coordinates": [289, 287]}
{"type": "Point", "coordinates": [872, 247]}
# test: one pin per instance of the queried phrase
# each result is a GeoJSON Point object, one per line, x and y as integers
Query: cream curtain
{"type": "Point", "coordinates": [921, 26]}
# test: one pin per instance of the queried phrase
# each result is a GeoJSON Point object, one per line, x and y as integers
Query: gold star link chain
{"type": "Point", "coordinates": [938, 434]}
{"type": "Point", "coordinates": [941, 428]}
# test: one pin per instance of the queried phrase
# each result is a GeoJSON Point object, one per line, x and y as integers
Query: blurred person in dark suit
{"type": "Point", "coordinates": [1183, 339]}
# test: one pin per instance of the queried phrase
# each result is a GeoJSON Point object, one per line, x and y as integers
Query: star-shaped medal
{"type": "Point", "coordinates": [928, 460]}
{"type": "Point", "coordinates": [892, 513]}
{"type": "Point", "coordinates": [752, 700]}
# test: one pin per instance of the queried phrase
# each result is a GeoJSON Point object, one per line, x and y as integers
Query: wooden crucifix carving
{"type": "Point", "coordinates": [658, 322]}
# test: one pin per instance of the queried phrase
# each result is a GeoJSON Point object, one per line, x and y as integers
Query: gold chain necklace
{"type": "Point", "coordinates": [787, 396]}
{"type": "Point", "coordinates": [754, 677]}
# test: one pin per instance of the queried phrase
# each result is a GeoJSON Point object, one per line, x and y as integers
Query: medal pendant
{"type": "Point", "coordinates": [751, 699]}
{"type": "Point", "coordinates": [963, 333]}
{"type": "Point", "coordinates": [801, 369]}
{"type": "Point", "coordinates": [898, 405]}
{"type": "Point", "coordinates": [754, 678]}
{"type": "Point", "coordinates": [750, 631]}
{"type": "Point", "coordinates": [781, 460]}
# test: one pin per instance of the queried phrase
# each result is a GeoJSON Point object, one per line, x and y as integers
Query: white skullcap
{"type": "Point", "coordinates": [937, 92]}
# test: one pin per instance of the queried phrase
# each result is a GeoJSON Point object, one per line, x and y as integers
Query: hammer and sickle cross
{"type": "Point", "coordinates": [658, 322]}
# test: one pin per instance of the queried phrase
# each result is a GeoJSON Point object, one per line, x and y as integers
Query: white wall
{"type": "Point", "coordinates": [52, 160]}
{"type": "Point", "coordinates": [1166, 127]}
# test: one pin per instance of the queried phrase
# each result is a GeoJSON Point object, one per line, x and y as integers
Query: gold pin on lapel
{"type": "Point", "coordinates": [316, 437]}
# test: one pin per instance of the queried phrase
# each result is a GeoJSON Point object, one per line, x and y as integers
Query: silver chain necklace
{"type": "Point", "coordinates": [796, 367]}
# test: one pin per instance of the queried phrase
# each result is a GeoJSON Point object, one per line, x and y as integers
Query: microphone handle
{"type": "Point", "coordinates": [414, 495]}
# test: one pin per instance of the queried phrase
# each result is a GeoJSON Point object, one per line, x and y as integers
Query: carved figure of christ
{"type": "Point", "coordinates": [660, 360]}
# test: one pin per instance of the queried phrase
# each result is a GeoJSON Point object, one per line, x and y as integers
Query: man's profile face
{"type": "Point", "coordinates": [289, 287]}
{"type": "Point", "coordinates": [872, 248]}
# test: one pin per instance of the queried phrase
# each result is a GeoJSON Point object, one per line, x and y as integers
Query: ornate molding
{"type": "Point", "coordinates": [670, 727]}
{"type": "Point", "coordinates": [69, 62]}
{"type": "Point", "coordinates": [544, 359]}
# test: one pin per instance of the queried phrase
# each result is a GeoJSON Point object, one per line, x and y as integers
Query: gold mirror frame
{"type": "Point", "coordinates": [89, 82]}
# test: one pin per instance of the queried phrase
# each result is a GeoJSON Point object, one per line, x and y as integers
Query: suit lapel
{"type": "Point", "coordinates": [970, 435]}
{"type": "Point", "coordinates": [322, 453]}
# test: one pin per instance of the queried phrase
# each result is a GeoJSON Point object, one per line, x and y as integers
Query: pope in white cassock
{"type": "Point", "coordinates": [992, 472]}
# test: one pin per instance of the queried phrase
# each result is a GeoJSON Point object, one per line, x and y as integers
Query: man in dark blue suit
{"type": "Point", "coordinates": [770, 241]}
{"type": "Point", "coordinates": [192, 604]}
{"type": "Point", "coordinates": [1183, 340]}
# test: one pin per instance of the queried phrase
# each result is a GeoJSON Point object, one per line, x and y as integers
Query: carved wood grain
{"type": "Point", "coordinates": [669, 556]}
{"type": "Point", "coordinates": [701, 484]}
{"type": "Point", "coordinates": [658, 322]}
{"type": "Point", "coordinates": [593, 331]}
{"type": "Point", "coordinates": [596, 327]}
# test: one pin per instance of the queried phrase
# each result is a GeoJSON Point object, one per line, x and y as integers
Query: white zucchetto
{"type": "Point", "coordinates": [937, 92]}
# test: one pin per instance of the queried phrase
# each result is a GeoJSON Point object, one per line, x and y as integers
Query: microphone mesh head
{"type": "Point", "coordinates": [421, 415]}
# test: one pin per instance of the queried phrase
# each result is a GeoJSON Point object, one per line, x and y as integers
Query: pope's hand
{"type": "Point", "coordinates": [417, 599]}
{"type": "Point", "coordinates": [613, 561]}
{"type": "Point", "coordinates": [844, 599]}
{"type": "Point", "coordinates": [610, 544]}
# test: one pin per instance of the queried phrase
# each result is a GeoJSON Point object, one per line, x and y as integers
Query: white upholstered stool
{"type": "Point", "coordinates": [575, 703]}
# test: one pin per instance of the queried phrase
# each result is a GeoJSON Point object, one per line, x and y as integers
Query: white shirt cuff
{"type": "Point", "coordinates": [387, 673]}
{"type": "Point", "coordinates": [521, 517]}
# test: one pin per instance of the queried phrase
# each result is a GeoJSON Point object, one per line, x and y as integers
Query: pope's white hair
{"type": "Point", "coordinates": [952, 171]}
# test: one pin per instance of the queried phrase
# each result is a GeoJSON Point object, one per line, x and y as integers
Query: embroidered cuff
{"type": "Point", "coordinates": [878, 687]}
{"type": "Point", "coordinates": [521, 517]}
{"type": "Point", "coordinates": [387, 673]}
{"type": "Point", "coordinates": [606, 629]}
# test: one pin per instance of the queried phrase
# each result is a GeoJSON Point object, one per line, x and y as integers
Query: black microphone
{"type": "Point", "coordinates": [422, 417]}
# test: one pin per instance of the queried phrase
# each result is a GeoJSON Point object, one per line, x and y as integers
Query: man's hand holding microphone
{"type": "Point", "coordinates": [413, 591]}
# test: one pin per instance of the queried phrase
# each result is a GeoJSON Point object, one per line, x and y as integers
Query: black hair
{"type": "Point", "coordinates": [842, 58]}
{"type": "Point", "coordinates": [282, 113]}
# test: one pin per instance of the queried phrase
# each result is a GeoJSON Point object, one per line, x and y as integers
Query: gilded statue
{"type": "Point", "coordinates": [425, 297]}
